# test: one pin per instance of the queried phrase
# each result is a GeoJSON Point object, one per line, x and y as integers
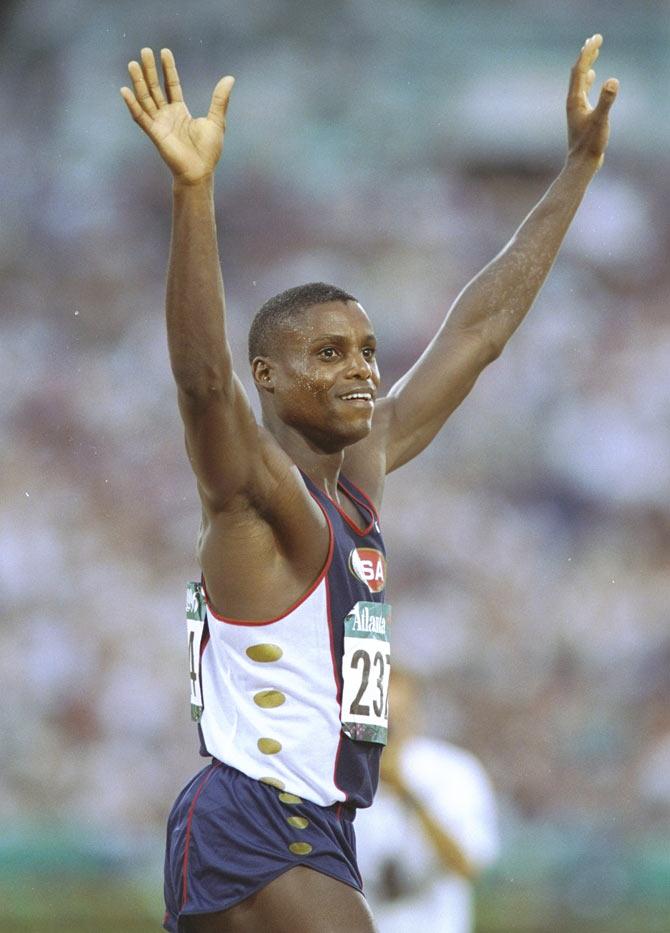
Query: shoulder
{"type": "Point", "coordinates": [365, 461]}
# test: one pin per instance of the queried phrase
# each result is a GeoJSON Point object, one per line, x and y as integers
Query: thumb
{"type": "Point", "coordinates": [220, 99]}
{"type": "Point", "coordinates": [608, 94]}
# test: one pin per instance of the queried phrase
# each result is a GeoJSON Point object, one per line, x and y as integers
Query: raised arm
{"type": "Point", "coordinates": [222, 436]}
{"type": "Point", "coordinates": [493, 304]}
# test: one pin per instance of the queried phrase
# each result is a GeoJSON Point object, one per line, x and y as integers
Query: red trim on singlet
{"type": "Point", "coordinates": [336, 666]}
{"type": "Point", "coordinates": [338, 691]}
{"type": "Point", "coordinates": [187, 842]}
{"type": "Point", "coordinates": [337, 759]}
{"type": "Point", "coordinates": [366, 501]}
{"type": "Point", "coordinates": [361, 532]}
{"type": "Point", "coordinates": [322, 574]}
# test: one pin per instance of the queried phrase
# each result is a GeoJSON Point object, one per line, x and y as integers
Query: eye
{"type": "Point", "coordinates": [369, 353]}
{"type": "Point", "coordinates": [328, 353]}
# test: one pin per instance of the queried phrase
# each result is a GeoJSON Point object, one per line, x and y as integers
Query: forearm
{"type": "Point", "coordinates": [199, 352]}
{"type": "Point", "coordinates": [495, 302]}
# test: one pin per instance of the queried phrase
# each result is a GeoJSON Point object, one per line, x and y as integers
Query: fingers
{"type": "Point", "coordinates": [146, 98]}
{"type": "Point", "coordinates": [172, 83]}
{"type": "Point", "coordinates": [138, 113]}
{"type": "Point", "coordinates": [582, 75]}
{"type": "Point", "coordinates": [588, 127]}
{"type": "Point", "coordinates": [146, 85]}
{"type": "Point", "coordinates": [142, 93]}
{"type": "Point", "coordinates": [220, 100]}
{"type": "Point", "coordinates": [151, 75]}
{"type": "Point", "coordinates": [608, 94]}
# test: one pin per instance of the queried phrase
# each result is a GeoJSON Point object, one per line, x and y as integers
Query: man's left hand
{"type": "Point", "coordinates": [588, 127]}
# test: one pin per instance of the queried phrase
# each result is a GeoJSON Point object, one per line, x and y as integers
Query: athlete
{"type": "Point", "coordinates": [289, 621]}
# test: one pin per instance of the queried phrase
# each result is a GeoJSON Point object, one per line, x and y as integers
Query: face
{"type": "Point", "coordinates": [324, 379]}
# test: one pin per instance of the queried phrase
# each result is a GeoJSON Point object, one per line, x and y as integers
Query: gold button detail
{"type": "Point", "coordinates": [273, 782]}
{"type": "Point", "coordinates": [269, 746]}
{"type": "Point", "coordinates": [268, 699]}
{"type": "Point", "coordinates": [264, 653]}
{"type": "Point", "coordinates": [300, 822]}
{"type": "Point", "coordinates": [300, 848]}
{"type": "Point", "coordinates": [290, 798]}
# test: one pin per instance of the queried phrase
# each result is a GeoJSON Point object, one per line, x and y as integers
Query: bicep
{"type": "Point", "coordinates": [223, 441]}
{"type": "Point", "coordinates": [422, 400]}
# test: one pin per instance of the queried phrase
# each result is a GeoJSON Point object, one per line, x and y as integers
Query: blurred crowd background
{"type": "Point", "coordinates": [391, 148]}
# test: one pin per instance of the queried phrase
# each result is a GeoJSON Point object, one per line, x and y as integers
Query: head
{"type": "Point", "coordinates": [312, 350]}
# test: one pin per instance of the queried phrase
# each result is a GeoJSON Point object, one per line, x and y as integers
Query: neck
{"type": "Point", "coordinates": [324, 472]}
{"type": "Point", "coordinates": [322, 467]}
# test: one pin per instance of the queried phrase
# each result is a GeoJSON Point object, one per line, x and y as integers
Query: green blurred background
{"type": "Point", "coordinates": [392, 148]}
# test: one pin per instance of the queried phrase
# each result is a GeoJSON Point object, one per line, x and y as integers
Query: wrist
{"type": "Point", "coordinates": [182, 185]}
{"type": "Point", "coordinates": [583, 164]}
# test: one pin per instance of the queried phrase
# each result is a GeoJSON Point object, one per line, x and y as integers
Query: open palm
{"type": "Point", "coordinates": [190, 146]}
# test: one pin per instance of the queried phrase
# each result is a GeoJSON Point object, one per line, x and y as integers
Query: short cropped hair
{"type": "Point", "coordinates": [285, 307]}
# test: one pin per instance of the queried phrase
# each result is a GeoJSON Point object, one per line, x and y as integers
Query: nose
{"type": "Point", "coordinates": [359, 367]}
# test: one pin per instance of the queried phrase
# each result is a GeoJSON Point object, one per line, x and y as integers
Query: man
{"type": "Point", "coordinates": [432, 829]}
{"type": "Point", "coordinates": [290, 624]}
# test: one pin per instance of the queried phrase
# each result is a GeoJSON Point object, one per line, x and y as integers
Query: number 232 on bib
{"type": "Point", "coordinates": [366, 665]}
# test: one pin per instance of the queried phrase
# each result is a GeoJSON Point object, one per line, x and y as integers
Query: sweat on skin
{"type": "Point", "coordinates": [264, 540]}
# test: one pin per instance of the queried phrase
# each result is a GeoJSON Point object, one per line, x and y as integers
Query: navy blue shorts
{"type": "Point", "coordinates": [228, 836]}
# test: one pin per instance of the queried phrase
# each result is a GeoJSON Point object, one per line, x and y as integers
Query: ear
{"type": "Point", "coordinates": [263, 371]}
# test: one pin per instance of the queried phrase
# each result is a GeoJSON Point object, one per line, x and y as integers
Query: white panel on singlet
{"type": "Point", "coordinates": [288, 704]}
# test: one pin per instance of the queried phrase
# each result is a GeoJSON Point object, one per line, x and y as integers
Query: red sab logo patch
{"type": "Point", "coordinates": [368, 565]}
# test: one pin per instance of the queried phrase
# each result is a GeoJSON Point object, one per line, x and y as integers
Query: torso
{"type": "Point", "coordinates": [296, 741]}
{"type": "Point", "coordinates": [259, 559]}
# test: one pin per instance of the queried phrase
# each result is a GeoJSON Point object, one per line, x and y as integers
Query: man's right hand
{"type": "Point", "coordinates": [190, 147]}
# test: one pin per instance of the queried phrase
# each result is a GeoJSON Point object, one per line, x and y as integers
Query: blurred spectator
{"type": "Point", "coordinates": [431, 829]}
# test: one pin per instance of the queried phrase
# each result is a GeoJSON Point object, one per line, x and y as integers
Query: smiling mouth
{"type": "Point", "coordinates": [365, 397]}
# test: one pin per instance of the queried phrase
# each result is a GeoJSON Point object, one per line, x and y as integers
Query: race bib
{"type": "Point", "coordinates": [196, 615]}
{"type": "Point", "coordinates": [366, 666]}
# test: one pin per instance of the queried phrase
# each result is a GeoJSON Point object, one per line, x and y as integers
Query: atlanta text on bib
{"type": "Point", "coordinates": [366, 665]}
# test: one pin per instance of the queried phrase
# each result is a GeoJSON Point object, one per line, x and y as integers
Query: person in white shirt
{"type": "Point", "coordinates": [431, 830]}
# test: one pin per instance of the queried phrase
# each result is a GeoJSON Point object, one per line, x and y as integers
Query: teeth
{"type": "Point", "coordinates": [363, 395]}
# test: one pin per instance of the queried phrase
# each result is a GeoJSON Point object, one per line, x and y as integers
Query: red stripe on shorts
{"type": "Point", "coordinates": [191, 809]}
